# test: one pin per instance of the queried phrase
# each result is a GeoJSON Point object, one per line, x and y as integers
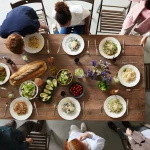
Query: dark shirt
{"type": "Point", "coordinates": [12, 139]}
{"type": "Point", "coordinates": [22, 20]}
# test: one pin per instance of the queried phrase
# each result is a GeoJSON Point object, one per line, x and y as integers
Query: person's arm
{"type": "Point", "coordinates": [43, 26]}
{"type": "Point", "coordinates": [86, 17]}
{"type": "Point", "coordinates": [99, 141]}
{"type": "Point", "coordinates": [87, 25]}
{"type": "Point", "coordinates": [144, 39]}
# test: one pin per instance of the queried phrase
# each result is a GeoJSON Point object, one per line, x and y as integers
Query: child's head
{"type": "Point", "coordinates": [15, 43]}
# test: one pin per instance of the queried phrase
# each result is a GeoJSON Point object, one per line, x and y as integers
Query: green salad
{"type": "Point", "coordinates": [28, 89]}
{"type": "Point", "coordinates": [64, 77]}
{"type": "Point", "coordinates": [115, 106]}
{"type": "Point", "coordinates": [110, 48]}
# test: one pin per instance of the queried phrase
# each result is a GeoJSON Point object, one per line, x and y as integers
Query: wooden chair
{"type": "Point", "coordinates": [40, 12]}
{"type": "Point", "coordinates": [147, 76]}
{"type": "Point", "coordinates": [88, 1]}
{"type": "Point", "coordinates": [111, 18]}
{"type": "Point", "coordinates": [40, 141]}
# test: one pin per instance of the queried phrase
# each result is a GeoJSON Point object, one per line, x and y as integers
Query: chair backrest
{"type": "Point", "coordinates": [40, 141]}
{"type": "Point", "coordinates": [111, 18]}
{"type": "Point", "coordinates": [40, 12]}
{"type": "Point", "coordinates": [88, 1]}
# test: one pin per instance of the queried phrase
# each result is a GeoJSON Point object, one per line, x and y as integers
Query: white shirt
{"type": "Point", "coordinates": [146, 133]}
{"type": "Point", "coordinates": [96, 143]}
{"type": "Point", "coordinates": [78, 14]}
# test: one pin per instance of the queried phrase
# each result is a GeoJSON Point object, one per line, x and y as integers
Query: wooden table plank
{"type": "Point", "coordinates": [133, 55]}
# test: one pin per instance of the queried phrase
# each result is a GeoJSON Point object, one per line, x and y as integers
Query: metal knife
{"type": "Point", "coordinates": [127, 106]}
{"type": "Point", "coordinates": [36, 109]}
{"type": "Point", "coordinates": [59, 46]}
{"type": "Point", "coordinates": [48, 50]}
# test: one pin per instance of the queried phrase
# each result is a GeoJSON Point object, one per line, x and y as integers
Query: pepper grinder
{"type": "Point", "coordinates": [76, 60]}
{"type": "Point", "coordinates": [9, 61]}
{"type": "Point", "coordinates": [63, 93]}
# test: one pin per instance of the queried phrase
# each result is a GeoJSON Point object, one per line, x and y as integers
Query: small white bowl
{"type": "Point", "coordinates": [36, 92]}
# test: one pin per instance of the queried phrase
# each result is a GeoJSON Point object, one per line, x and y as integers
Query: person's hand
{"type": "Point", "coordinates": [128, 131]}
{"type": "Point", "coordinates": [29, 140]}
{"type": "Point", "coordinates": [83, 136]}
{"type": "Point", "coordinates": [143, 41]}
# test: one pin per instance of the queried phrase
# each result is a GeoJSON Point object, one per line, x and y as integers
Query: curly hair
{"type": "Point", "coordinates": [15, 43]}
{"type": "Point", "coordinates": [63, 14]}
{"type": "Point", "coordinates": [147, 4]}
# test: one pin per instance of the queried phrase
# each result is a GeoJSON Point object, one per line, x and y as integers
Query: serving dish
{"type": "Point", "coordinates": [33, 43]}
{"type": "Point", "coordinates": [28, 89]}
{"type": "Point", "coordinates": [48, 90]}
{"type": "Point", "coordinates": [114, 114]}
{"type": "Point", "coordinates": [64, 77]}
{"type": "Point", "coordinates": [29, 108]}
{"type": "Point", "coordinates": [69, 41]}
{"type": "Point", "coordinates": [133, 73]}
{"type": "Point", "coordinates": [4, 73]}
{"type": "Point", "coordinates": [74, 113]}
{"type": "Point", "coordinates": [115, 42]}
{"type": "Point", "coordinates": [76, 90]}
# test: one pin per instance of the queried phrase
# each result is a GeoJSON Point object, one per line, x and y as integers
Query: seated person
{"type": "Point", "coordinates": [138, 136]}
{"type": "Point", "coordinates": [15, 139]}
{"type": "Point", "coordinates": [138, 14]}
{"type": "Point", "coordinates": [83, 141]}
{"type": "Point", "coordinates": [71, 16]}
{"type": "Point", "coordinates": [22, 20]}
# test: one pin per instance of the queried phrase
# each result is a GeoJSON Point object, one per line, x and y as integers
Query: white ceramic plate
{"type": "Point", "coordinates": [70, 116]}
{"type": "Point", "coordinates": [111, 114]}
{"type": "Point", "coordinates": [20, 92]}
{"type": "Point", "coordinates": [131, 84]}
{"type": "Point", "coordinates": [7, 73]}
{"type": "Point", "coordinates": [33, 50]}
{"type": "Point", "coordinates": [65, 44]}
{"type": "Point", "coordinates": [21, 117]}
{"type": "Point", "coordinates": [102, 51]}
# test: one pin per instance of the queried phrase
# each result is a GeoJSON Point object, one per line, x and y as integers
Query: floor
{"type": "Point", "coordinates": [61, 128]}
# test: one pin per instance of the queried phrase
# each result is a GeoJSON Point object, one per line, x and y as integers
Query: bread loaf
{"type": "Point", "coordinates": [28, 72]}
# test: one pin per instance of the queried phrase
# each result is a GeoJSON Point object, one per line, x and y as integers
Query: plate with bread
{"type": "Point", "coordinates": [29, 71]}
{"type": "Point", "coordinates": [73, 44]}
{"type": "Point", "coordinates": [4, 73]}
{"type": "Point", "coordinates": [21, 108]}
{"type": "Point", "coordinates": [33, 43]}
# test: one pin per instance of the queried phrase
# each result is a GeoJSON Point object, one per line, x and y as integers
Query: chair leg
{"type": "Point", "coordinates": [49, 139]}
{"type": "Point", "coordinates": [100, 8]}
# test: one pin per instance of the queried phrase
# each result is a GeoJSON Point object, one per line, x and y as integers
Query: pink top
{"type": "Point", "coordinates": [145, 13]}
{"type": "Point", "coordinates": [138, 14]}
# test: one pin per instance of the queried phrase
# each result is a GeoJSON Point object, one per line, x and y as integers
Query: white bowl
{"type": "Point", "coordinates": [35, 92]}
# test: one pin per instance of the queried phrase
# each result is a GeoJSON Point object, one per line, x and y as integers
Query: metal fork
{"type": "Point", "coordinates": [123, 52]}
{"type": "Point", "coordinates": [101, 106]}
{"type": "Point", "coordinates": [59, 46]}
{"type": "Point", "coordinates": [55, 105]}
{"type": "Point", "coordinates": [96, 47]}
{"type": "Point", "coordinates": [127, 106]}
{"type": "Point", "coordinates": [36, 109]}
{"type": "Point", "coordinates": [84, 114]}
{"type": "Point", "coordinates": [48, 50]}
{"type": "Point", "coordinates": [6, 105]}
{"type": "Point", "coordinates": [87, 52]}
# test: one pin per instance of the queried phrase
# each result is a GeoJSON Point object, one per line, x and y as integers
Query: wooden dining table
{"type": "Point", "coordinates": [92, 100]}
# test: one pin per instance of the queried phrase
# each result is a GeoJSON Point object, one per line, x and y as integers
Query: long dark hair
{"type": "Point", "coordinates": [147, 4]}
{"type": "Point", "coordinates": [63, 14]}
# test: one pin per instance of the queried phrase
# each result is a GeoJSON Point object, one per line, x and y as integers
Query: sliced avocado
{"type": "Point", "coordinates": [54, 82]}
{"type": "Point", "coordinates": [43, 95]}
{"type": "Point", "coordinates": [49, 82]}
{"type": "Point", "coordinates": [47, 91]}
{"type": "Point", "coordinates": [49, 87]}
{"type": "Point", "coordinates": [46, 98]}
